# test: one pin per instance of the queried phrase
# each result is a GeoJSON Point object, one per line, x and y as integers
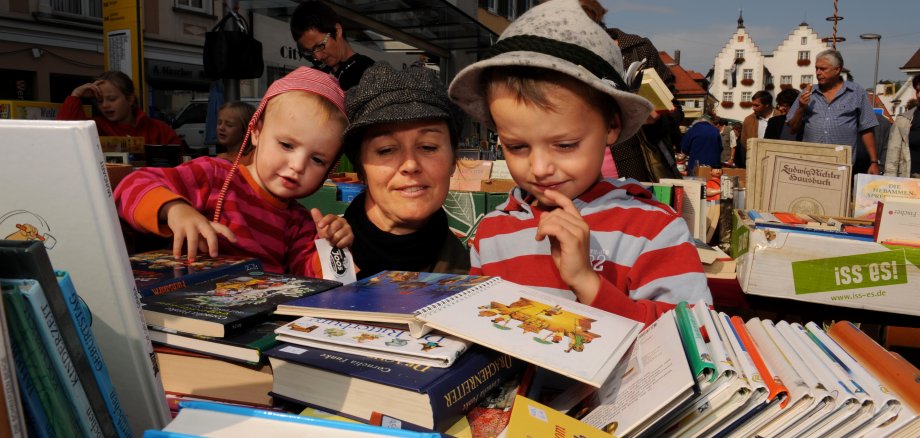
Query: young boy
{"type": "Point", "coordinates": [553, 90]}
{"type": "Point", "coordinates": [297, 136]}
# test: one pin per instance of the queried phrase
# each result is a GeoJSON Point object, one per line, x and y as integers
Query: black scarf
{"type": "Point", "coordinates": [375, 250]}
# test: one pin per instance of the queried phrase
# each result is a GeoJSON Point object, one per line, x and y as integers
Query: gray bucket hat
{"type": "Point", "coordinates": [387, 95]}
{"type": "Point", "coordinates": [556, 35]}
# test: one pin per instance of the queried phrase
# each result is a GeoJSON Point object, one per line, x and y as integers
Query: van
{"type": "Point", "coordinates": [190, 122]}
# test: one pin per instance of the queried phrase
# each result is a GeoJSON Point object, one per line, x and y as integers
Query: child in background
{"type": "Point", "coordinates": [232, 120]}
{"type": "Point", "coordinates": [296, 135]}
{"type": "Point", "coordinates": [553, 90]}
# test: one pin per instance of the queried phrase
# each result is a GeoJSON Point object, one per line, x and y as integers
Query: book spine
{"type": "Point", "coordinates": [81, 319]}
{"type": "Point", "coordinates": [39, 424]}
{"type": "Point", "coordinates": [693, 343]}
{"type": "Point", "coordinates": [48, 388]}
{"type": "Point", "coordinates": [8, 381]}
{"type": "Point", "coordinates": [447, 302]}
{"type": "Point", "coordinates": [57, 352]}
{"type": "Point", "coordinates": [455, 395]}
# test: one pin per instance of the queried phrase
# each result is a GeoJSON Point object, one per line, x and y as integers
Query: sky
{"type": "Point", "coordinates": [699, 29]}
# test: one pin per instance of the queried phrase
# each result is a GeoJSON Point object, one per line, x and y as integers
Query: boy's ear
{"type": "Point", "coordinates": [613, 131]}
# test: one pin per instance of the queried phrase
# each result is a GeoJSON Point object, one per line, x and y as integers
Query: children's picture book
{"type": "Point", "coordinates": [434, 349]}
{"type": "Point", "coordinates": [563, 336]}
{"type": "Point", "coordinates": [246, 346]}
{"type": "Point", "coordinates": [653, 381]}
{"type": "Point", "coordinates": [157, 272]}
{"type": "Point", "coordinates": [357, 386]}
{"type": "Point", "coordinates": [532, 419]}
{"type": "Point", "coordinates": [870, 189]}
{"type": "Point", "coordinates": [390, 297]}
{"type": "Point", "coordinates": [226, 305]}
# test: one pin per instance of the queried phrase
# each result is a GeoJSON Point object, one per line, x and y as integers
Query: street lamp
{"type": "Point", "coordinates": [878, 43]}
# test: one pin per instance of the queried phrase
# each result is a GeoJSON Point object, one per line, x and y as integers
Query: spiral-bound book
{"type": "Point", "coordinates": [564, 336]}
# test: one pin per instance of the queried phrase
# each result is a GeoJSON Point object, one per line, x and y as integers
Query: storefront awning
{"type": "Point", "coordinates": [432, 26]}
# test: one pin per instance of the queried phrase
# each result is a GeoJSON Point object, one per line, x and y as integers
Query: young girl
{"type": "Point", "coordinates": [232, 119]}
{"type": "Point", "coordinates": [114, 94]}
{"type": "Point", "coordinates": [296, 134]}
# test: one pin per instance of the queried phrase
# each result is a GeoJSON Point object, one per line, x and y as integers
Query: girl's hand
{"type": "Point", "coordinates": [191, 228]}
{"type": "Point", "coordinates": [569, 238]}
{"type": "Point", "coordinates": [88, 90]}
{"type": "Point", "coordinates": [333, 228]}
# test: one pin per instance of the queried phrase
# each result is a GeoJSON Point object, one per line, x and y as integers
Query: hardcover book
{"type": "Point", "coordinates": [561, 335]}
{"type": "Point", "coordinates": [157, 272]}
{"type": "Point", "coordinates": [806, 186]}
{"type": "Point", "coordinates": [12, 411]}
{"type": "Point", "coordinates": [390, 297]}
{"type": "Point", "coordinates": [759, 151]}
{"type": "Point", "coordinates": [870, 189]}
{"type": "Point", "coordinates": [897, 221]}
{"type": "Point", "coordinates": [223, 306]}
{"type": "Point", "coordinates": [434, 349]}
{"type": "Point", "coordinates": [246, 346]}
{"type": "Point", "coordinates": [358, 386]}
{"type": "Point", "coordinates": [200, 376]}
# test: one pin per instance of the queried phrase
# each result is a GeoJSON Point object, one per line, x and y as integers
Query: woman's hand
{"type": "Point", "coordinates": [90, 89]}
{"type": "Point", "coordinates": [192, 228]}
{"type": "Point", "coordinates": [333, 228]}
{"type": "Point", "coordinates": [569, 237]}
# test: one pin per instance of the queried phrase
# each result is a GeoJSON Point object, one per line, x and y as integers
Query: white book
{"type": "Point", "coordinates": [63, 191]}
{"type": "Point", "coordinates": [561, 335]}
{"type": "Point", "coordinates": [885, 406]}
{"type": "Point", "coordinates": [433, 349]}
{"type": "Point", "coordinates": [652, 381]}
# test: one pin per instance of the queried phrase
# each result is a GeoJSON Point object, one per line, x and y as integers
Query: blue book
{"type": "Point", "coordinates": [158, 272]}
{"type": "Point", "coordinates": [387, 297]}
{"type": "Point", "coordinates": [37, 422]}
{"type": "Point", "coordinates": [359, 386]}
{"type": "Point", "coordinates": [228, 305]}
{"type": "Point", "coordinates": [57, 353]}
{"type": "Point", "coordinates": [82, 319]}
{"type": "Point", "coordinates": [197, 418]}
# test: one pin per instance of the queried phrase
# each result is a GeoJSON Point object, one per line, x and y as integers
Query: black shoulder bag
{"type": "Point", "coordinates": [232, 54]}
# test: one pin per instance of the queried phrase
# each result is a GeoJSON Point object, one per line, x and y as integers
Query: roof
{"type": "Point", "coordinates": [913, 62]}
{"type": "Point", "coordinates": [685, 82]}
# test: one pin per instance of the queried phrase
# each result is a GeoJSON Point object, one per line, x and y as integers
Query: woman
{"type": "Point", "coordinates": [114, 95]}
{"type": "Point", "coordinates": [903, 156]}
{"type": "Point", "coordinates": [402, 140]}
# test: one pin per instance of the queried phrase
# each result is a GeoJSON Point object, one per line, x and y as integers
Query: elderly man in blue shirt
{"type": "Point", "coordinates": [836, 112]}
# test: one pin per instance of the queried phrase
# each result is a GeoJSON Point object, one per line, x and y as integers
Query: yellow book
{"type": "Point", "coordinates": [654, 89]}
{"type": "Point", "coordinates": [533, 420]}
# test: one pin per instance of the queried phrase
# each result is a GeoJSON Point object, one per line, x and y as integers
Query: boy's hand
{"type": "Point", "coordinates": [333, 228]}
{"type": "Point", "coordinates": [188, 225]}
{"type": "Point", "coordinates": [569, 243]}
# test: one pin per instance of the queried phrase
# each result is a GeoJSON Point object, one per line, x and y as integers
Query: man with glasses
{"type": "Point", "coordinates": [318, 33]}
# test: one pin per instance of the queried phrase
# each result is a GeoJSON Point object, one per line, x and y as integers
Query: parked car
{"type": "Point", "coordinates": [190, 122]}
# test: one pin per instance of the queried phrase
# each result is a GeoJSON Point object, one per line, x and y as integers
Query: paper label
{"type": "Point", "coordinates": [338, 264]}
{"type": "Point", "coordinates": [850, 272]}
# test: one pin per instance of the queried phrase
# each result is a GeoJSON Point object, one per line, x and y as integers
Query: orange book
{"type": "Point", "coordinates": [774, 388]}
{"type": "Point", "coordinates": [897, 374]}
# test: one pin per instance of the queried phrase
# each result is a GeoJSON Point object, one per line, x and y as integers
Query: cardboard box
{"type": "Point", "coordinates": [829, 270]}
{"type": "Point", "coordinates": [497, 185]}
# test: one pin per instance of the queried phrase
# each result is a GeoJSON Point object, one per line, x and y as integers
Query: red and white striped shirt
{"type": "Point", "coordinates": [640, 247]}
{"type": "Point", "coordinates": [278, 233]}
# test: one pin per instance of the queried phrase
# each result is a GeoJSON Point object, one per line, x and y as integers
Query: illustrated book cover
{"type": "Point", "coordinates": [435, 349]}
{"type": "Point", "coordinates": [388, 297]}
{"type": "Point", "coordinates": [157, 272]}
{"type": "Point", "coordinates": [223, 306]}
{"type": "Point", "coordinates": [561, 335]}
{"type": "Point", "coordinates": [357, 386]}
{"type": "Point", "coordinates": [870, 189]}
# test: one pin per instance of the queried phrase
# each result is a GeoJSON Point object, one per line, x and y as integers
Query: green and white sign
{"type": "Point", "coordinates": [874, 269]}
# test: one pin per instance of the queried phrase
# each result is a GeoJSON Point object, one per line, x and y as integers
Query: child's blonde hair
{"type": "Point", "coordinates": [243, 112]}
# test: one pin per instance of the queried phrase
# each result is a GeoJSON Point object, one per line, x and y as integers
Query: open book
{"type": "Point", "coordinates": [564, 336]}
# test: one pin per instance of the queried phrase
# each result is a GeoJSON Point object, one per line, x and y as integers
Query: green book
{"type": "Point", "coordinates": [663, 193]}
{"type": "Point", "coordinates": [698, 355]}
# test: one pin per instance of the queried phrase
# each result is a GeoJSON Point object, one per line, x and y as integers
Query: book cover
{"type": "Point", "coordinates": [808, 187]}
{"type": "Point", "coordinates": [50, 335]}
{"type": "Point", "coordinates": [388, 297]}
{"type": "Point", "coordinates": [28, 259]}
{"type": "Point", "coordinates": [226, 305]}
{"type": "Point", "coordinates": [532, 419]}
{"type": "Point", "coordinates": [563, 336]}
{"type": "Point", "coordinates": [15, 417]}
{"type": "Point", "coordinates": [435, 349]}
{"type": "Point", "coordinates": [759, 151]}
{"type": "Point", "coordinates": [696, 351]}
{"type": "Point", "coordinates": [36, 421]}
{"type": "Point", "coordinates": [246, 346]}
{"type": "Point", "coordinates": [690, 201]}
{"type": "Point", "coordinates": [157, 272]}
{"type": "Point", "coordinates": [870, 189]}
{"type": "Point", "coordinates": [653, 381]}
{"type": "Point", "coordinates": [358, 386]}
{"type": "Point", "coordinates": [655, 90]}
{"type": "Point", "coordinates": [65, 204]}
{"type": "Point", "coordinates": [897, 221]}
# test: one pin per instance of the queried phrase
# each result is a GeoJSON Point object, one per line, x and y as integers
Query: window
{"type": "Point", "coordinates": [727, 96]}
{"type": "Point", "coordinates": [739, 53]}
{"type": "Point", "coordinates": [728, 73]}
{"type": "Point", "coordinates": [746, 96]}
{"type": "Point", "coordinates": [806, 79]}
{"type": "Point", "coordinates": [195, 5]}
{"type": "Point", "coordinates": [696, 104]}
{"type": "Point", "coordinates": [804, 41]}
{"type": "Point", "coordinates": [804, 54]}
{"type": "Point", "coordinates": [490, 5]}
{"type": "Point", "coordinates": [785, 79]}
{"type": "Point", "coordinates": [748, 73]}
{"type": "Point", "coordinates": [740, 38]}
{"type": "Point", "coordinates": [86, 8]}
